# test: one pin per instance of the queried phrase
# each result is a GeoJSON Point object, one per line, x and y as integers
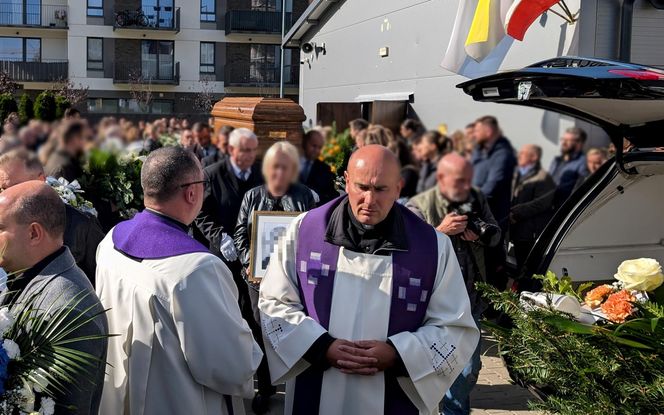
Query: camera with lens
{"type": "Point", "coordinates": [486, 231]}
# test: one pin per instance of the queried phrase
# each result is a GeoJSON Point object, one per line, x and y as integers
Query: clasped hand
{"type": "Point", "coordinates": [366, 357]}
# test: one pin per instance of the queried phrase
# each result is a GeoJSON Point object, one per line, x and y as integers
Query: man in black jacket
{"type": "Point", "coordinates": [314, 173]}
{"type": "Point", "coordinates": [82, 232]}
{"type": "Point", "coordinates": [66, 160]}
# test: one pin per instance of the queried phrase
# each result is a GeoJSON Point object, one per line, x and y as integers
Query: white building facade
{"type": "Point", "coordinates": [175, 49]}
{"type": "Point", "coordinates": [381, 60]}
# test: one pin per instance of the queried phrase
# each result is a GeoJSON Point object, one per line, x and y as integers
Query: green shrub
{"type": "Point", "coordinates": [25, 109]}
{"type": "Point", "coordinates": [61, 105]}
{"type": "Point", "coordinates": [45, 107]}
{"type": "Point", "coordinates": [7, 106]}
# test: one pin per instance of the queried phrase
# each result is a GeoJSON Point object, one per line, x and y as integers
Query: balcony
{"type": "Point", "coordinates": [255, 21]}
{"type": "Point", "coordinates": [163, 18]}
{"type": "Point", "coordinates": [146, 73]}
{"type": "Point", "coordinates": [259, 74]}
{"type": "Point", "coordinates": [33, 15]}
{"type": "Point", "coordinates": [45, 71]}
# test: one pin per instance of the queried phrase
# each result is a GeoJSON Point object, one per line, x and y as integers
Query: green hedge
{"type": "Point", "coordinates": [7, 106]}
{"type": "Point", "coordinates": [25, 109]}
{"type": "Point", "coordinates": [45, 107]}
{"type": "Point", "coordinates": [61, 105]}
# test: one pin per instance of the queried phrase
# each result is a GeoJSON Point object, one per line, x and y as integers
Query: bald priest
{"type": "Point", "coordinates": [363, 305]}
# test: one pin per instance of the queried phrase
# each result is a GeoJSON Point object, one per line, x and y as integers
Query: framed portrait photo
{"type": "Point", "coordinates": [266, 230]}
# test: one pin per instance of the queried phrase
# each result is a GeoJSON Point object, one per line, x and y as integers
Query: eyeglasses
{"type": "Point", "coordinates": [205, 182]}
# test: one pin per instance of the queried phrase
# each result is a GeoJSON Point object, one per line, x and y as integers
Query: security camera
{"type": "Point", "coordinates": [308, 47]}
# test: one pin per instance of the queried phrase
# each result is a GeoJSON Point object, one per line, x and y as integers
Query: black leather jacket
{"type": "Point", "coordinates": [299, 198]}
{"type": "Point", "coordinates": [82, 235]}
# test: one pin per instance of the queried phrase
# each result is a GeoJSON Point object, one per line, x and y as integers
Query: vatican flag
{"type": "Point", "coordinates": [478, 28]}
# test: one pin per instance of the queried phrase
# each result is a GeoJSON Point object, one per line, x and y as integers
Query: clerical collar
{"type": "Point", "coordinates": [168, 218]}
{"type": "Point", "coordinates": [345, 230]}
{"type": "Point", "coordinates": [18, 283]}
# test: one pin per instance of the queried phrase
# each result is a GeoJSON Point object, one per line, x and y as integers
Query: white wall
{"type": "Point", "coordinates": [417, 33]}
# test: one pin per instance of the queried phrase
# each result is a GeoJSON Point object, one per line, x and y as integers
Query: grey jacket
{"type": "Point", "coordinates": [55, 286]}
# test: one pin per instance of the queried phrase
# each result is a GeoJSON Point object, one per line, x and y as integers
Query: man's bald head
{"type": "Point", "coordinates": [32, 224]}
{"type": "Point", "coordinates": [373, 183]}
{"type": "Point", "coordinates": [376, 157]}
{"type": "Point", "coordinates": [454, 176]}
{"type": "Point", "coordinates": [35, 202]}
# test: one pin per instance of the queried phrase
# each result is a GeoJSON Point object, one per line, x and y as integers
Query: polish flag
{"type": "Point", "coordinates": [523, 14]}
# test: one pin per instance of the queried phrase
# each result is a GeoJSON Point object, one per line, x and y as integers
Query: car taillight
{"type": "Point", "coordinates": [643, 75]}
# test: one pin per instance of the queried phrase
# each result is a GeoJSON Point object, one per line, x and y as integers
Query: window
{"type": "Point", "coordinates": [96, 8]}
{"type": "Point", "coordinates": [208, 13]}
{"type": "Point", "coordinates": [159, 13]}
{"type": "Point", "coordinates": [102, 105]}
{"type": "Point", "coordinates": [20, 49]}
{"type": "Point", "coordinates": [207, 57]}
{"type": "Point", "coordinates": [95, 53]}
{"type": "Point", "coordinates": [162, 107]}
{"type": "Point", "coordinates": [157, 59]}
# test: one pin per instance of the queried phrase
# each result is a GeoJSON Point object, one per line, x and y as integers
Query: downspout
{"type": "Point", "coordinates": [626, 19]}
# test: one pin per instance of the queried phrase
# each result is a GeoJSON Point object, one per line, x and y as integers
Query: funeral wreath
{"type": "Point", "coordinates": [588, 351]}
{"type": "Point", "coordinates": [36, 360]}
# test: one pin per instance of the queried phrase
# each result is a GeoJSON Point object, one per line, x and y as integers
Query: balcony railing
{"type": "Point", "coordinates": [165, 18]}
{"type": "Point", "coordinates": [34, 15]}
{"type": "Point", "coordinates": [146, 73]}
{"type": "Point", "coordinates": [45, 71]}
{"type": "Point", "coordinates": [259, 74]}
{"type": "Point", "coordinates": [255, 21]}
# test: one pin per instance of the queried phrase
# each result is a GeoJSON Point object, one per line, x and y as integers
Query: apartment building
{"type": "Point", "coordinates": [171, 50]}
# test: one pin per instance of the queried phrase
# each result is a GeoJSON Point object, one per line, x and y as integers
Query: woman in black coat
{"type": "Point", "coordinates": [281, 192]}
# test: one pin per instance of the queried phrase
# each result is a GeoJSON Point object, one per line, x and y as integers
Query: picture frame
{"type": "Point", "coordinates": [267, 227]}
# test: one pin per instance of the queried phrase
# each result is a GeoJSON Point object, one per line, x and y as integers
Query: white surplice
{"type": "Point", "coordinates": [360, 311]}
{"type": "Point", "coordinates": [182, 342]}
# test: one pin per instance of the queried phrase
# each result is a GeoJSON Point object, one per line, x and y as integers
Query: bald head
{"type": "Point", "coordinates": [373, 183]}
{"type": "Point", "coordinates": [454, 176]}
{"type": "Point", "coordinates": [32, 224]}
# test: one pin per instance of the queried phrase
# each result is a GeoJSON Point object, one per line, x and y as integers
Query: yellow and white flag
{"type": "Point", "coordinates": [478, 28]}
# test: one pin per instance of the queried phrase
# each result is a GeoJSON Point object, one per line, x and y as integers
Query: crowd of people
{"type": "Point", "coordinates": [192, 324]}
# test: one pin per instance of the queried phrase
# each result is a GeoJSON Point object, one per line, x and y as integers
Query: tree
{"type": "Point", "coordinates": [73, 94]}
{"type": "Point", "coordinates": [25, 109]}
{"type": "Point", "coordinates": [61, 105]}
{"type": "Point", "coordinates": [7, 84]}
{"type": "Point", "coordinates": [45, 106]}
{"type": "Point", "coordinates": [204, 99]}
{"type": "Point", "coordinates": [7, 106]}
{"type": "Point", "coordinates": [140, 89]}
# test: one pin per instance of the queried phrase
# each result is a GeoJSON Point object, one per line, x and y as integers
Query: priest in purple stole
{"type": "Point", "coordinates": [182, 346]}
{"type": "Point", "coordinates": [363, 305]}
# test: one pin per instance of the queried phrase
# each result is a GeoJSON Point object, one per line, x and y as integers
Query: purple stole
{"type": "Point", "coordinates": [151, 236]}
{"type": "Point", "coordinates": [414, 274]}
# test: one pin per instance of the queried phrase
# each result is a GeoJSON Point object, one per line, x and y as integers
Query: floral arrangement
{"type": "Point", "coordinates": [72, 194]}
{"type": "Point", "coordinates": [114, 179]}
{"type": "Point", "coordinates": [587, 350]}
{"type": "Point", "coordinates": [337, 150]}
{"type": "Point", "coordinates": [36, 361]}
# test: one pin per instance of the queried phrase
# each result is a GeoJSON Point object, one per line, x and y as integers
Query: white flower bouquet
{"type": "Point", "coordinates": [72, 194]}
{"type": "Point", "coordinates": [36, 361]}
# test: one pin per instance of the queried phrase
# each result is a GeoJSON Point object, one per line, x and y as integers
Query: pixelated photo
{"type": "Point", "coordinates": [268, 228]}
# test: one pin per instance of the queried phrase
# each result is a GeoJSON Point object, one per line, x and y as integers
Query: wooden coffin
{"type": "Point", "coordinates": [272, 119]}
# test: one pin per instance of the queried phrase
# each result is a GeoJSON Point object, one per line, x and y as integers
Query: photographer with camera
{"type": "Point", "coordinates": [454, 208]}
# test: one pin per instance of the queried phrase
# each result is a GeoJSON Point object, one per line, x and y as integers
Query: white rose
{"type": "Point", "coordinates": [6, 320]}
{"type": "Point", "coordinates": [39, 377]}
{"type": "Point", "coordinates": [47, 406]}
{"type": "Point", "coordinates": [27, 398]}
{"type": "Point", "coordinates": [643, 274]}
{"type": "Point", "coordinates": [12, 349]}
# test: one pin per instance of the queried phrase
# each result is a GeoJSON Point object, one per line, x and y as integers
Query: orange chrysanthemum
{"type": "Point", "coordinates": [619, 306]}
{"type": "Point", "coordinates": [597, 295]}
